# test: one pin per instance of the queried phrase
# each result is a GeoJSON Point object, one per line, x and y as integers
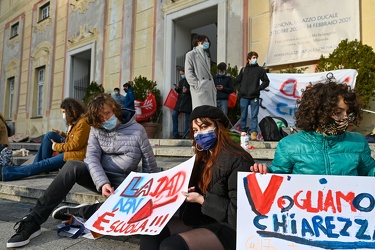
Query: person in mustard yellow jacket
{"type": "Point", "coordinates": [70, 146]}
{"type": "Point", "coordinates": [3, 131]}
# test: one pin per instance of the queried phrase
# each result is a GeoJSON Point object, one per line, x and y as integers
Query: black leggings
{"type": "Point", "coordinates": [163, 241]}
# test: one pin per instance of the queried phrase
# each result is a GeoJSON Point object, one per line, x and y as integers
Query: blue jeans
{"type": "Point", "coordinates": [175, 123]}
{"type": "Point", "coordinates": [223, 105]}
{"type": "Point", "coordinates": [43, 162]}
{"type": "Point", "coordinates": [244, 104]}
{"type": "Point", "coordinates": [47, 165]}
{"type": "Point", "coordinates": [45, 150]}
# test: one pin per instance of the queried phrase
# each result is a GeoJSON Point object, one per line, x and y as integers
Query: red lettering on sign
{"type": "Point", "coordinates": [263, 201]}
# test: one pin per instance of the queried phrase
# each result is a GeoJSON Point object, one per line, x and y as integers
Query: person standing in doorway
{"type": "Point", "coordinates": [129, 98]}
{"type": "Point", "coordinates": [198, 73]}
{"type": "Point", "coordinates": [224, 87]}
{"type": "Point", "coordinates": [249, 87]}
{"type": "Point", "coordinates": [120, 99]}
{"type": "Point", "coordinates": [183, 105]}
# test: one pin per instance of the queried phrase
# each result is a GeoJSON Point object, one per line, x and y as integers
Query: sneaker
{"type": "Point", "coordinates": [65, 212]}
{"type": "Point", "coordinates": [254, 136]}
{"type": "Point", "coordinates": [26, 229]}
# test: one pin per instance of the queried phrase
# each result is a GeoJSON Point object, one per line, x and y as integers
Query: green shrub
{"type": "Point", "coordinates": [353, 55]}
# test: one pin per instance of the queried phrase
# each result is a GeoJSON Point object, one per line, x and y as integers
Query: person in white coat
{"type": "Point", "coordinates": [198, 73]}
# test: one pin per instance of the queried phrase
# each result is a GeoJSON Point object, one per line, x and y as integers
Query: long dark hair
{"type": "Point", "coordinates": [73, 110]}
{"type": "Point", "coordinates": [319, 102]}
{"type": "Point", "coordinates": [202, 172]}
{"type": "Point", "coordinates": [95, 106]}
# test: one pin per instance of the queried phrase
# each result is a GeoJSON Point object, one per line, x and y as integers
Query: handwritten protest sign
{"type": "Point", "coordinates": [281, 212]}
{"type": "Point", "coordinates": [143, 203]}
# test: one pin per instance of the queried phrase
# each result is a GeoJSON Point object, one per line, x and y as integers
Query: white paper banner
{"type": "Point", "coordinates": [282, 212]}
{"type": "Point", "coordinates": [143, 203]}
{"type": "Point", "coordinates": [303, 30]}
{"type": "Point", "coordinates": [285, 89]}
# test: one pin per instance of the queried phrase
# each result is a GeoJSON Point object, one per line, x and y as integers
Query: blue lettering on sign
{"type": "Point", "coordinates": [128, 205]}
{"type": "Point", "coordinates": [284, 109]}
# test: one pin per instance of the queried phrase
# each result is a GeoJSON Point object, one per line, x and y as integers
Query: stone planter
{"type": "Point", "coordinates": [151, 129]}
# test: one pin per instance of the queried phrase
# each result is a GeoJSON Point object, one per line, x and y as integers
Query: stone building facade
{"type": "Point", "coordinates": [51, 49]}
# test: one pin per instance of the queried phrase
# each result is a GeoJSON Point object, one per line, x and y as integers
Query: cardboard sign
{"type": "Point", "coordinates": [282, 212]}
{"type": "Point", "coordinates": [143, 203]}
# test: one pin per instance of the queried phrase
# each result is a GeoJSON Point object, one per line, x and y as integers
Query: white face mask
{"type": "Point", "coordinates": [64, 116]}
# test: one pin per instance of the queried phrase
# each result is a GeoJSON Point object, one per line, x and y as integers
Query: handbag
{"type": "Point", "coordinates": [232, 100]}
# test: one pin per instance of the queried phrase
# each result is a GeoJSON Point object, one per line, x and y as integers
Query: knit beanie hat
{"type": "Point", "coordinates": [207, 111]}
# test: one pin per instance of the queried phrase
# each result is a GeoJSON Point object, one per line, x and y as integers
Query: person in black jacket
{"type": "Point", "coordinates": [183, 105]}
{"type": "Point", "coordinates": [249, 91]}
{"type": "Point", "coordinates": [224, 87]}
{"type": "Point", "coordinates": [208, 216]}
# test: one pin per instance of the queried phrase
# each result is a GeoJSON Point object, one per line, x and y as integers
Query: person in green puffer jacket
{"type": "Point", "coordinates": [324, 147]}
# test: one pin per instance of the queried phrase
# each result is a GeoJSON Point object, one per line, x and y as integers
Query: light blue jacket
{"type": "Point", "coordinates": [315, 154]}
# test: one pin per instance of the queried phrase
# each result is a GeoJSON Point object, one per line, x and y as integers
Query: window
{"type": "Point", "coordinates": [44, 12]}
{"type": "Point", "coordinates": [39, 95]}
{"type": "Point", "coordinates": [11, 97]}
{"type": "Point", "coordinates": [14, 30]}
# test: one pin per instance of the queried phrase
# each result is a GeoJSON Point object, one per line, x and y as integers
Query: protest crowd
{"type": "Point", "coordinates": [104, 143]}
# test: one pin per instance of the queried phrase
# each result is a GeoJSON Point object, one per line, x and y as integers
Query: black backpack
{"type": "Point", "coordinates": [270, 130]}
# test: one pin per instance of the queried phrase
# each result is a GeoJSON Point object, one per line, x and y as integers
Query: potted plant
{"type": "Point", "coordinates": [93, 89]}
{"type": "Point", "coordinates": [142, 87]}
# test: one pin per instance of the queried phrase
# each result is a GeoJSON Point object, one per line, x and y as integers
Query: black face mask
{"type": "Point", "coordinates": [126, 90]}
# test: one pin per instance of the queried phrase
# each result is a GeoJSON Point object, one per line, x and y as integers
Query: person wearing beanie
{"type": "Point", "coordinates": [208, 216]}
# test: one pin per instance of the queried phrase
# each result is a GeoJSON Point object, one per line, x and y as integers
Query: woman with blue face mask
{"type": "Point", "coordinates": [208, 216]}
{"type": "Point", "coordinates": [198, 73]}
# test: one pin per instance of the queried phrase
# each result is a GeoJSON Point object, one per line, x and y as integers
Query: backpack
{"type": "Point", "coordinates": [272, 131]}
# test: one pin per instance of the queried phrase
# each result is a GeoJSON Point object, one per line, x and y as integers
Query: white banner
{"type": "Point", "coordinates": [279, 99]}
{"type": "Point", "coordinates": [143, 203]}
{"type": "Point", "coordinates": [282, 212]}
{"type": "Point", "coordinates": [303, 30]}
{"type": "Point", "coordinates": [285, 89]}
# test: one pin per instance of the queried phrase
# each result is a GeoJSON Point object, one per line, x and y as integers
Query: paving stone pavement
{"type": "Point", "coordinates": [11, 212]}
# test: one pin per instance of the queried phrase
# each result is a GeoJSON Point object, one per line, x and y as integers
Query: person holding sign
{"type": "Point", "coordinates": [208, 217]}
{"type": "Point", "coordinates": [116, 145]}
{"type": "Point", "coordinates": [324, 147]}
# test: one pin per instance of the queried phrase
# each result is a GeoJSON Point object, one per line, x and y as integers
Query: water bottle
{"type": "Point", "coordinates": [244, 140]}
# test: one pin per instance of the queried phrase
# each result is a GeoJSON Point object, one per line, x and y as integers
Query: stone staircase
{"type": "Point", "coordinates": [169, 153]}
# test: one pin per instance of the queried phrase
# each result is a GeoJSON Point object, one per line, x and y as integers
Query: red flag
{"type": "Point", "coordinates": [146, 109]}
{"type": "Point", "coordinates": [170, 101]}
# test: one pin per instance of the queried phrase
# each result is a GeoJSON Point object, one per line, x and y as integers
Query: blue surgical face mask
{"type": "Point", "coordinates": [183, 76]}
{"type": "Point", "coordinates": [116, 93]}
{"type": "Point", "coordinates": [254, 61]}
{"type": "Point", "coordinates": [110, 123]}
{"type": "Point", "coordinates": [205, 45]}
{"type": "Point", "coordinates": [206, 139]}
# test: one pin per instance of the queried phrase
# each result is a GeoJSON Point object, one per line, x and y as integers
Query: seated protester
{"type": "Point", "coordinates": [208, 216]}
{"type": "Point", "coordinates": [5, 152]}
{"type": "Point", "coordinates": [324, 147]}
{"type": "Point", "coordinates": [71, 145]}
{"type": "Point", "coordinates": [116, 145]}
